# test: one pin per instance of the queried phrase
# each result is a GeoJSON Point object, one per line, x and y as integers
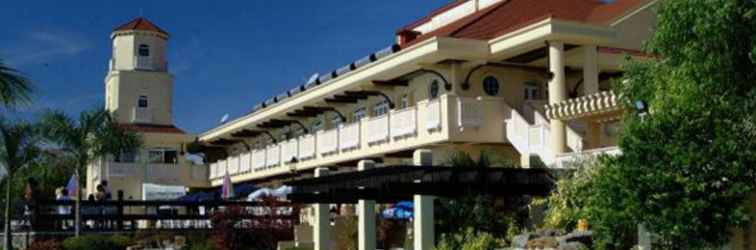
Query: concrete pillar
{"type": "Point", "coordinates": [594, 134]}
{"type": "Point", "coordinates": [322, 228]}
{"type": "Point", "coordinates": [557, 94]}
{"type": "Point", "coordinates": [590, 70]}
{"type": "Point", "coordinates": [424, 234]}
{"type": "Point", "coordinates": [366, 235]}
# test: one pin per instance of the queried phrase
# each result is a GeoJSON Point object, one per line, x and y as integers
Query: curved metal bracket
{"type": "Point", "coordinates": [388, 99]}
{"type": "Point", "coordinates": [270, 135]}
{"type": "Point", "coordinates": [343, 118]}
{"type": "Point", "coordinates": [466, 83]}
{"type": "Point", "coordinates": [302, 125]}
{"type": "Point", "coordinates": [447, 85]}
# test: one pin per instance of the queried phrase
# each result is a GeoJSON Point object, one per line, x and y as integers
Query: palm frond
{"type": "Point", "coordinates": [15, 89]}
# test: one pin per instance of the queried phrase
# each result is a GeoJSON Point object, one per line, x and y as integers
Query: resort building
{"type": "Point", "coordinates": [139, 92]}
{"type": "Point", "coordinates": [527, 80]}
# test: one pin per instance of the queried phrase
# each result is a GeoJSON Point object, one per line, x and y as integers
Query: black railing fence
{"type": "Point", "coordinates": [126, 215]}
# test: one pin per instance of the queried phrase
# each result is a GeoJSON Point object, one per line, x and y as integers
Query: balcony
{"type": "Point", "coordinates": [447, 118]}
{"type": "Point", "coordinates": [568, 159]}
{"type": "Point", "coordinates": [141, 115]}
{"type": "Point", "coordinates": [149, 63]}
{"type": "Point", "coordinates": [183, 174]}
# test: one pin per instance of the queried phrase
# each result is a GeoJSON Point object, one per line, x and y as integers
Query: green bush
{"type": "Point", "coordinates": [121, 242]}
{"type": "Point", "coordinates": [468, 240]}
{"type": "Point", "coordinates": [90, 242]}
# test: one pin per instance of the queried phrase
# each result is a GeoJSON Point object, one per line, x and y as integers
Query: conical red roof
{"type": "Point", "coordinates": [140, 23]}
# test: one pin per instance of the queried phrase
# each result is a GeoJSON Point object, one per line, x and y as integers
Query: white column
{"type": "Point", "coordinates": [322, 228]}
{"type": "Point", "coordinates": [590, 70]}
{"type": "Point", "coordinates": [644, 238]}
{"type": "Point", "coordinates": [557, 94]}
{"type": "Point", "coordinates": [366, 236]}
{"type": "Point", "coordinates": [423, 208]}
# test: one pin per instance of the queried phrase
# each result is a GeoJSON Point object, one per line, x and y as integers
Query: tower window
{"type": "Point", "coordinates": [144, 50]}
{"type": "Point", "coordinates": [142, 103]}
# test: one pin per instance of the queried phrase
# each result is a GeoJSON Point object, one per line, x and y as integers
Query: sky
{"type": "Point", "coordinates": [225, 58]}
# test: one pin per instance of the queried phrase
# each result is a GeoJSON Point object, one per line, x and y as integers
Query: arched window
{"type": "Point", "coordinates": [144, 50]}
{"type": "Point", "coordinates": [491, 85]}
{"type": "Point", "coordinates": [433, 89]}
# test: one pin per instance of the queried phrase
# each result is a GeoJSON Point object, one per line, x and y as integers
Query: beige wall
{"type": "Point", "coordinates": [126, 43]}
{"type": "Point", "coordinates": [125, 87]}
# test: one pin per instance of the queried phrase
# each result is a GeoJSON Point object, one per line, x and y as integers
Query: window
{"type": "Point", "coordinates": [381, 108]}
{"type": "Point", "coordinates": [404, 102]}
{"type": "Point", "coordinates": [359, 113]}
{"type": "Point", "coordinates": [142, 103]}
{"type": "Point", "coordinates": [433, 89]}
{"type": "Point", "coordinates": [126, 157]}
{"type": "Point", "coordinates": [531, 91]}
{"type": "Point", "coordinates": [144, 50]}
{"type": "Point", "coordinates": [491, 85]}
{"type": "Point", "coordinates": [162, 156]}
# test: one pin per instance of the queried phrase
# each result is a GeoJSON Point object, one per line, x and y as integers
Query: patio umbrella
{"type": "Point", "coordinates": [227, 192]}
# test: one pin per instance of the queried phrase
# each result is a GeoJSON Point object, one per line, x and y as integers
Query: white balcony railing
{"type": "Point", "coordinates": [379, 129]}
{"type": "Point", "coordinates": [170, 172]}
{"type": "Point", "coordinates": [245, 162]}
{"type": "Point", "coordinates": [290, 150]}
{"type": "Point", "coordinates": [149, 63]}
{"type": "Point", "coordinates": [306, 147]}
{"type": "Point", "coordinates": [469, 113]}
{"type": "Point", "coordinates": [117, 169]}
{"type": "Point", "coordinates": [349, 136]}
{"type": "Point", "coordinates": [433, 117]}
{"type": "Point", "coordinates": [403, 122]}
{"type": "Point", "coordinates": [258, 159]}
{"type": "Point", "coordinates": [273, 155]}
{"type": "Point", "coordinates": [328, 141]}
{"type": "Point", "coordinates": [233, 165]}
{"type": "Point", "coordinates": [141, 115]}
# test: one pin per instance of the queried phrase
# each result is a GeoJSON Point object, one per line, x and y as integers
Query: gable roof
{"type": "Point", "coordinates": [509, 15]}
{"type": "Point", "coordinates": [140, 23]}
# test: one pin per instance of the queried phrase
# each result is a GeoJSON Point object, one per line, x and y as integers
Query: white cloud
{"type": "Point", "coordinates": [42, 46]}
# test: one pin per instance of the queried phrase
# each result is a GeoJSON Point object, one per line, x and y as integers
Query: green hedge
{"type": "Point", "coordinates": [97, 242]}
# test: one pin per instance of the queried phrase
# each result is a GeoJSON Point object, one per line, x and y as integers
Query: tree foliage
{"type": "Point", "coordinates": [15, 89]}
{"type": "Point", "coordinates": [688, 166]}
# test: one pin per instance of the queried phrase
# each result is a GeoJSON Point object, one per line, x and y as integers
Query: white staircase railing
{"type": "Point", "coordinates": [534, 139]}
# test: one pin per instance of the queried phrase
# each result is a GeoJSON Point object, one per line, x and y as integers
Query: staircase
{"type": "Point", "coordinates": [532, 136]}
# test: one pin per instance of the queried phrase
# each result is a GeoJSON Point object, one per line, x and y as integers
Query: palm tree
{"type": "Point", "coordinates": [94, 135]}
{"type": "Point", "coordinates": [18, 148]}
{"type": "Point", "coordinates": [15, 89]}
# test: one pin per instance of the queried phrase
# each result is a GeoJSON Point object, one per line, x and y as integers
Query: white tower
{"type": "Point", "coordinates": [138, 87]}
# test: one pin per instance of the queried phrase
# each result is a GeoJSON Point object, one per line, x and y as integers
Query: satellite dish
{"type": "Point", "coordinates": [313, 77]}
{"type": "Point", "coordinates": [224, 119]}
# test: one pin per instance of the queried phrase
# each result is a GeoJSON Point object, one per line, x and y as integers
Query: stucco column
{"type": "Point", "coordinates": [590, 70]}
{"type": "Point", "coordinates": [322, 228]}
{"type": "Point", "coordinates": [557, 94]}
{"type": "Point", "coordinates": [423, 217]}
{"type": "Point", "coordinates": [644, 238]}
{"type": "Point", "coordinates": [594, 134]}
{"type": "Point", "coordinates": [366, 236]}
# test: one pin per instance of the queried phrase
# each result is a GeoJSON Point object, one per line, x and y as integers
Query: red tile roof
{"type": "Point", "coordinates": [152, 128]}
{"type": "Point", "coordinates": [509, 15]}
{"type": "Point", "coordinates": [140, 23]}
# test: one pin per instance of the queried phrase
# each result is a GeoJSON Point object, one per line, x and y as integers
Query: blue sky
{"type": "Point", "coordinates": [225, 57]}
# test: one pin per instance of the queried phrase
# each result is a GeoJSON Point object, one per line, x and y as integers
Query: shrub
{"type": "Point", "coordinates": [90, 242]}
{"type": "Point", "coordinates": [49, 244]}
{"type": "Point", "coordinates": [468, 240]}
{"type": "Point", "coordinates": [121, 242]}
